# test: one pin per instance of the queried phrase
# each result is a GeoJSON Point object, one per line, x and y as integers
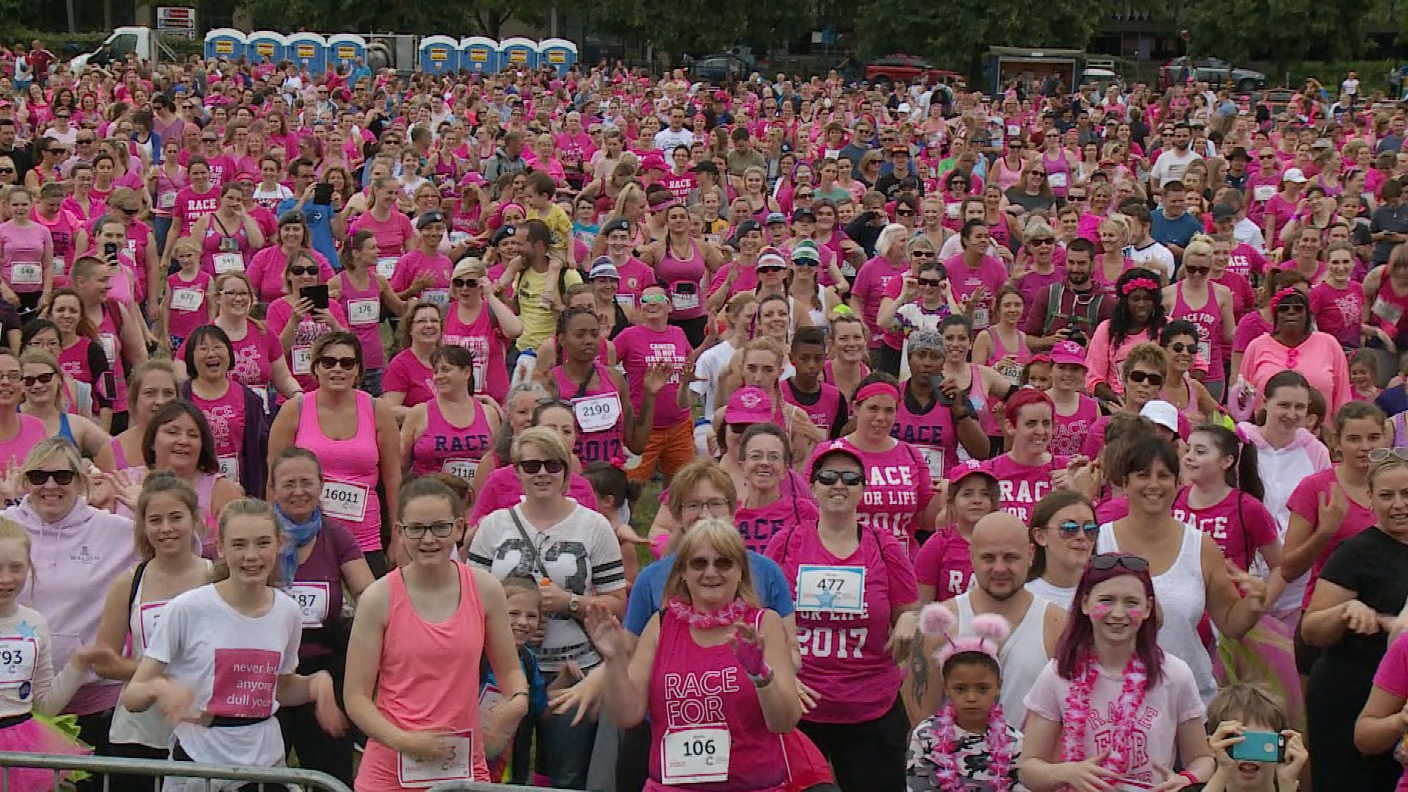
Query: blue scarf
{"type": "Point", "coordinates": [299, 535]}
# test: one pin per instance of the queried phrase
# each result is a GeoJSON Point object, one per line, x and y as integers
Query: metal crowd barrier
{"type": "Point", "coordinates": [480, 786]}
{"type": "Point", "coordinates": [273, 779]}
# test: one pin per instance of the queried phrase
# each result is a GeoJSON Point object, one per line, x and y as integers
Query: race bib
{"type": "Point", "coordinates": [597, 413]}
{"type": "Point", "coordinates": [695, 756]}
{"type": "Point", "coordinates": [148, 615]}
{"type": "Point", "coordinates": [166, 200]}
{"type": "Point", "coordinates": [230, 467]}
{"type": "Point", "coordinates": [27, 275]}
{"type": "Point", "coordinates": [17, 659]}
{"type": "Point", "coordinates": [109, 342]}
{"type": "Point", "coordinates": [1013, 130]}
{"type": "Point", "coordinates": [363, 312]}
{"type": "Point", "coordinates": [452, 766]}
{"type": "Point", "coordinates": [1387, 311]}
{"type": "Point", "coordinates": [345, 500]}
{"type": "Point", "coordinates": [1263, 192]}
{"type": "Point", "coordinates": [436, 296]}
{"type": "Point", "coordinates": [228, 262]}
{"type": "Point", "coordinates": [186, 299]}
{"type": "Point", "coordinates": [627, 300]}
{"type": "Point", "coordinates": [1056, 179]}
{"type": "Point", "coordinates": [831, 589]}
{"type": "Point", "coordinates": [59, 266]}
{"type": "Point", "coordinates": [301, 360]}
{"type": "Point", "coordinates": [460, 468]}
{"type": "Point", "coordinates": [684, 301]}
{"type": "Point", "coordinates": [934, 458]}
{"type": "Point", "coordinates": [980, 318]}
{"type": "Point", "coordinates": [312, 599]}
{"type": "Point", "coordinates": [952, 210]}
{"type": "Point", "coordinates": [386, 266]}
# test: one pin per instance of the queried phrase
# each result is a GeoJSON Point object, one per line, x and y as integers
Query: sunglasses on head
{"type": "Point", "coordinates": [1107, 561]}
{"type": "Point", "coordinates": [700, 563]}
{"type": "Point", "coordinates": [1070, 529]}
{"type": "Point", "coordinates": [60, 477]}
{"type": "Point", "coordinates": [827, 477]}
{"type": "Point", "coordinates": [1381, 454]}
{"type": "Point", "coordinates": [303, 270]}
{"type": "Point", "coordinates": [346, 363]}
{"type": "Point", "coordinates": [1139, 377]}
{"type": "Point", "coordinates": [535, 466]}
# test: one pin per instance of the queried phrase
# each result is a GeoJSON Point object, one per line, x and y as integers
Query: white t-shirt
{"type": "Point", "coordinates": [707, 369]}
{"type": "Point", "coordinates": [579, 554]}
{"type": "Point", "coordinates": [1155, 257]}
{"type": "Point", "coordinates": [1171, 165]}
{"type": "Point", "coordinates": [232, 663]}
{"type": "Point", "coordinates": [279, 193]}
{"type": "Point", "coordinates": [1350, 87]}
{"type": "Point", "coordinates": [666, 140]}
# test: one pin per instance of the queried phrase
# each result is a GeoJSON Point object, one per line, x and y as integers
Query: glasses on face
{"type": "Point", "coordinates": [904, 213]}
{"type": "Point", "coordinates": [465, 283]}
{"type": "Point", "coordinates": [712, 506]}
{"type": "Point", "coordinates": [1178, 348]}
{"type": "Point", "coordinates": [1265, 157]}
{"type": "Point", "coordinates": [1039, 173]}
{"type": "Point", "coordinates": [1070, 529]}
{"type": "Point", "coordinates": [1191, 270]}
{"type": "Point", "coordinates": [1106, 561]}
{"type": "Point", "coordinates": [10, 376]}
{"type": "Point", "coordinates": [234, 295]}
{"type": "Point", "coordinates": [761, 271]}
{"type": "Point", "coordinates": [43, 379]}
{"type": "Point", "coordinates": [209, 140]}
{"type": "Point", "coordinates": [828, 477]}
{"type": "Point", "coordinates": [1042, 242]}
{"type": "Point", "coordinates": [657, 299]}
{"type": "Point", "coordinates": [440, 529]}
{"type": "Point", "coordinates": [1075, 198]}
{"type": "Point", "coordinates": [721, 564]}
{"type": "Point", "coordinates": [85, 141]}
{"type": "Point", "coordinates": [803, 196]}
{"type": "Point", "coordinates": [535, 466]}
{"type": "Point", "coordinates": [299, 271]}
{"type": "Point", "coordinates": [1140, 377]}
{"type": "Point", "coordinates": [346, 363]}
{"type": "Point", "coordinates": [931, 283]}
{"type": "Point", "coordinates": [61, 477]}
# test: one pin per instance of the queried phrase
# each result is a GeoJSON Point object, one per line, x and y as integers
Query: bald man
{"type": "Point", "coordinates": [1002, 557]}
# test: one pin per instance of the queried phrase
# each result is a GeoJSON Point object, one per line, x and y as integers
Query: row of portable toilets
{"type": "Point", "coordinates": [435, 54]}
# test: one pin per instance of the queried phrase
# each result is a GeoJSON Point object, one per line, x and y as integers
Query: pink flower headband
{"type": "Point", "coordinates": [1282, 295]}
{"type": "Point", "coordinates": [985, 636]}
{"type": "Point", "coordinates": [1139, 283]}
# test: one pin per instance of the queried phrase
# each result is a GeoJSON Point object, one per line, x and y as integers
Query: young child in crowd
{"type": "Point", "coordinates": [525, 617]}
{"type": "Point", "coordinates": [1242, 711]}
{"type": "Point", "coordinates": [614, 495]}
{"type": "Point", "coordinates": [1364, 375]}
{"type": "Point", "coordinates": [967, 744]}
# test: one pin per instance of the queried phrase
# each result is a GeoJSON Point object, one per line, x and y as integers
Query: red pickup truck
{"type": "Point", "coordinates": [902, 69]}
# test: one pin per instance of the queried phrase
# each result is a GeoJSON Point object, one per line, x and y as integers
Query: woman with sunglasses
{"type": "Point", "coordinates": [1039, 263]}
{"type": "Point", "coordinates": [1180, 339]}
{"type": "Point", "coordinates": [858, 722]}
{"type": "Point", "coordinates": [298, 323]}
{"type": "Point", "coordinates": [1211, 315]}
{"type": "Point", "coordinates": [87, 548]}
{"type": "Point", "coordinates": [1032, 192]}
{"type": "Point", "coordinates": [1293, 344]}
{"type": "Point", "coordinates": [355, 438]}
{"type": "Point", "coordinates": [552, 538]}
{"type": "Point", "coordinates": [19, 432]}
{"type": "Point", "coordinates": [234, 412]}
{"type": "Point", "coordinates": [44, 400]}
{"type": "Point", "coordinates": [1351, 616]}
{"type": "Point", "coordinates": [362, 292]}
{"type": "Point", "coordinates": [268, 266]}
{"type": "Point", "coordinates": [1191, 575]}
{"type": "Point", "coordinates": [1109, 664]}
{"type": "Point", "coordinates": [482, 323]}
{"type": "Point", "coordinates": [1063, 534]}
{"type": "Point", "coordinates": [805, 292]}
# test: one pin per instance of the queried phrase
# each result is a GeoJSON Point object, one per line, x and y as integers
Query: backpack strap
{"type": "Point", "coordinates": [136, 583]}
{"type": "Point", "coordinates": [1055, 293]}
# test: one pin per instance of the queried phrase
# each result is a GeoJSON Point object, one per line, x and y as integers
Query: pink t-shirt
{"type": "Point", "coordinates": [1305, 501]}
{"type": "Point", "coordinates": [758, 525]}
{"type": "Point", "coordinates": [946, 563]}
{"type": "Point", "coordinates": [406, 374]}
{"type": "Point", "coordinates": [192, 206]}
{"type": "Point", "coordinates": [1068, 432]}
{"type": "Point", "coordinates": [227, 421]}
{"type": "Point", "coordinates": [991, 274]}
{"type": "Point", "coordinates": [1392, 677]}
{"type": "Point", "coordinates": [1238, 523]}
{"type": "Point", "coordinates": [1246, 260]}
{"type": "Point", "coordinates": [267, 267]}
{"type": "Point", "coordinates": [1319, 357]}
{"type": "Point", "coordinates": [412, 264]}
{"type": "Point", "coordinates": [300, 353]}
{"type": "Point", "coordinates": [1338, 311]}
{"type": "Point", "coordinates": [1021, 486]}
{"type": "Point", "coordinates": [843, 653]}
{"type": "Point", "coordinates": [391, 236]}
{"type": "Point", "coordinates": [873, 283]}
{"type": "Point", "coordinates": [637, 347]}
{"type": "Point", "coordinates": [1172, 701]}
{"type": "Point", "coordinates": [897, 489]}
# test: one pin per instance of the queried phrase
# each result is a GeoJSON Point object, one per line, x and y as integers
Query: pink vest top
{"type": "Point", "coordinates": [453, 449]}
{"type": "Point", "coordinates": [351, 468]}
{"type": "Point", "coordinates": [1208, 320]}
{"type": "Point", "coordinates": [602, 445]}
{"type": "Point", "coordinates": [483, 339]}
{"type": "Point", "coordinates": [17, 448]}
{"type": "Point", "coordinates": [828, 402]}
{"type": "Point", "coordinates": [693, 686]}
{"type": "Point", "coordinates": [1068, 431]}
{"type": "Point", "coordinates": [931, 433]}
{"type": "Point", "coordinates": [412, 689]}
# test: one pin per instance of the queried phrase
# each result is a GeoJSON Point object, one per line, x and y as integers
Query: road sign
{"type": "Point", "coordinates": [176, 21]}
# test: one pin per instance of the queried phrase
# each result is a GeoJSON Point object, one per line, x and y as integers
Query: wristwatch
{"type": "Point", "coordinates": [574, 604]}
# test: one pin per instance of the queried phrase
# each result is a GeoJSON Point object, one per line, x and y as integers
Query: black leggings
{"type": "Point", "coordinates": [316, 749]}
{"type": "Point", "coordinates": [93, 729]}
{"type": "Point", "coordinates": [135, 783]}
{"type": "Point", "coordinates": [866, 757]}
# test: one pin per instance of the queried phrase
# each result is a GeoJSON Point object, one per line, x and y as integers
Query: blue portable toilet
{"type": "Point", "coordinates": [309, 51]}
{"type": "Point", "coordinates": [518, 53]}
{"type": "Point", "coordinates": [479, 54]}
{"type": "Point", "coordinates": [560, 54]}
{"type": "Point", "coordinates": [439, 55]}
{"type": "Point", "coordinates": [267, 46]}
{"type": "Point", "coordinates": [344, 49]}
{"type": "Point", "coordinates": [225, 43]}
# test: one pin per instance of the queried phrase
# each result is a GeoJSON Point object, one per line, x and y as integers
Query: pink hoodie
{"type": "Point", "coordinates": [75, 560]}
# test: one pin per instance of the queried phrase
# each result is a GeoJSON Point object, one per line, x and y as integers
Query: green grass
{"type": "Point", "coordinates": [643, 515]}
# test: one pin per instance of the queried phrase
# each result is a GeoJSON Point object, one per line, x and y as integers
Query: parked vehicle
{"type": "Point", "coordinates": [902, 69]}
{"type": "Point", "coordinates": [1214, 71]}
{"type": "Point", "coordinates": [719, 68]}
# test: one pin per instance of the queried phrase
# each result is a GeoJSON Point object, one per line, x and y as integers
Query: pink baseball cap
{"type": "Point", "coordinates": [749, 406]}
{"type": "Point", "coordinates": [967, 468]}
{"type": "Point", "coordinates": [1068, 352]}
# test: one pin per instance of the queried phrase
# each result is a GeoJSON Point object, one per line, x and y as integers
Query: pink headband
{"type": "Point", "coordinates": [1139, 283]}
{"type": "Point", "coordinates": [1282, 295]}
{"type": "Point", "coordinates": [877, 389]}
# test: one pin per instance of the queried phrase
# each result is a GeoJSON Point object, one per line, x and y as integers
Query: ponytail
{"type": "Point", "coordinates": [1243, 474]}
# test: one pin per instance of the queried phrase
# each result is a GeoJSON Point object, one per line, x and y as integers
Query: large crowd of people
{"type": "Point", "coordinates": [1045, 440]}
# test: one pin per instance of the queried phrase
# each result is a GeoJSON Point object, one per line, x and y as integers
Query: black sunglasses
{"type": "Point", "coordinates": [1178, 347]}
{"type": "Point", "coordinates": [829, 477]}
{"type": "Point", "coordinates": [61, 477]}
{"type": "Point", "coordinates": [329, 361]}
{"type": "Point", "coordinates": [700, 563]}
{"type": "Point", "coordinates": [1070, 529]}
{"type": "Point", "coordinates": [43, 379]}
{"type": "Point", "coordinates": [1138, 377]}
{"type": "Point", "coordinates": [930, 283]}
{"type": "Point", "coordinates": [303, 270]}
{"type": "Point", "coordinates": [1108, 561]}
{"type": "Point", "coordinates": [465, 283]}
{"type": "Point", "coordinates": [535, 466]}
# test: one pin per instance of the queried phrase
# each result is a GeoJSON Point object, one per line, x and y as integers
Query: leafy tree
{"type": "Point", "coordinates": [1280, 31]}
{"type": "Point", "coordinates": [698, 26]}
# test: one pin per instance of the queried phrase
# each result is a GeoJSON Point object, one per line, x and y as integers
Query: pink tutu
{"type": "Point", "coordinates": [36, 736]}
